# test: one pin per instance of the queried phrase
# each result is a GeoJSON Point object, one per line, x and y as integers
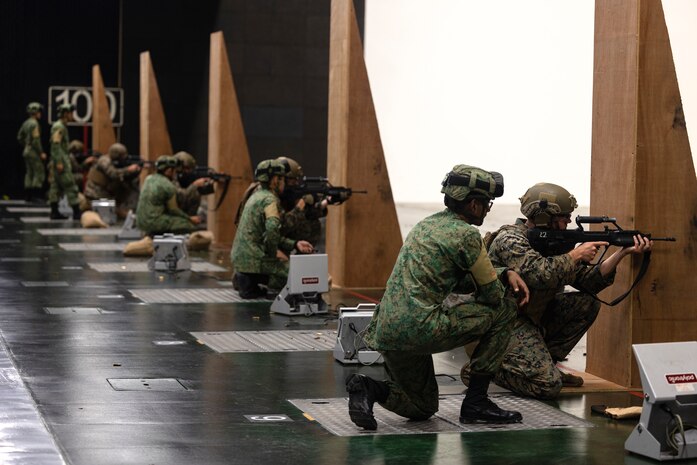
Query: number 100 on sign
{"type": "Point", "coordinates": [81, 98]}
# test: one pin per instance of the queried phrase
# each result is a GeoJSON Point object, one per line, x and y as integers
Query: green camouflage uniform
{"type": "Point", "coordinates": [61, 183]}
{"type": "Point", "coordinates": [553, 321]}
{"type": "Point", "coordinates": [153, 216]}
{"type": "Point", "coordinates": [189, 198]}
{"type": "Point", "coordinates": [442, 254]}
{"type": "Point", "coordinates": [258, 238]}
{"type": "Point", "coordinates": [304, 224]}
{"type": "Point", "coordinates": [106, 181]}
{"type": "Point", "coordinates": [29, 137]}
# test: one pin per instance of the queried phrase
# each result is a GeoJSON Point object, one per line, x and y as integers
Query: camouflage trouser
{"type": "Point", "coordinates": [35, 172]}
{"type": "Point", "coordinates": [62, 184]}
{"type": "Point", "coordinates": [412, 381]}
{"type": "Point", "coordinates": [168, 224]}
{"type": "Point", "coordinates": [529, 367]}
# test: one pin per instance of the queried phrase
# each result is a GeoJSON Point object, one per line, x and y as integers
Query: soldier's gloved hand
{"type": "Point", "coordinates": [281, 256]}
{"type": "Point", "coordinates": [43, 156]}
{"type": "Point", "coordinates": [518, 286]}
{"type": "Point", "coordinates": [304, 247]}
{"type": "Point", "coordinates": [59, 167]}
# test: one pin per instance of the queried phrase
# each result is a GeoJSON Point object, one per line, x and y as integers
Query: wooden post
{"type": "Point", "coordinates": [643, 174]}
{"type": "Point", "coordinates": [227, 145]}
{"type": "Point", "coordinates": [154, 136]}
{"type": "Point", "coordinates": [363, 236]}
{"type": "Point", "coordinates": [103, 135]}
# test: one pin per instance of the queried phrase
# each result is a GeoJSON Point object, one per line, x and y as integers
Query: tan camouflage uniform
{"type": "Point", "coordinates": [553, 321]}
{"type": "Point", "coordinates": [442, 254]}
{"type": "Point", "coordinates": [106, 181]}
{"type": "Point", "coordinates": [29, 137]}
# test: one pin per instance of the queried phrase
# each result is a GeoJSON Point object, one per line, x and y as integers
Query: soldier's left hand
{"type": "Point", "coordinates": [304, 247]}
{"type": "Point", "coordinates": [200, 182]}
{"type": "Point", "coordinates": [641, 245]}
{"type": "Point", "coordinates": [520, 289]}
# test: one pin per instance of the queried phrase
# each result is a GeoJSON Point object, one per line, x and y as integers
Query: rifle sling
{"type": "Point", "coordinates": [642, 271]}
{"type": "Point", "coordinates": [226, 185]}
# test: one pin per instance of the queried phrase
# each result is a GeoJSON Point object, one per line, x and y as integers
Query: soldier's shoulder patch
{"type": "Point", "coordinates": [57, 135]}
{"type": "Point", "coordinates": [35, 132]}
{"type": "Point", "coordinates": [271, 210]}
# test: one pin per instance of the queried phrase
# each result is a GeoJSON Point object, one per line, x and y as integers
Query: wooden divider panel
{"type": "Point", "coordinates": [643, 174]}
{"type": "Point", "coordinates": [227, 145]}
{"type": "Point", "coordinates": [103, 135]}
{"type": "Point", "coordinates": [363, 236]}
{"type": "Point", "coordinates": [154, 136]}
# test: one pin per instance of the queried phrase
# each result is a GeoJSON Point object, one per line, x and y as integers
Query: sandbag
{"type": "Point", "coordinates": [90, 219]}
{"type": "Point", "coordinates": [199, 240]}
{"type": "Point", "coordinates": [141, 248]}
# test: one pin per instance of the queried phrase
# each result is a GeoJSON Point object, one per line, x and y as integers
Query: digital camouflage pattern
{"type": "Point", "coordinates": [259, 236]}
{"type": "Point", "coordinates": [305, 224]}
{"type": "Point", "coordinates": [61, 179]}
{"type": "Point", "coordinates": [29, 137]}
{"type": "Point", "coordinates": [553, 321]}
{"type": "Point", "coordinates": [441, 255]}
{"type": "Point", "coordinates": [157, 210]}
{"type": "Point", "coordinates": [188, 199]}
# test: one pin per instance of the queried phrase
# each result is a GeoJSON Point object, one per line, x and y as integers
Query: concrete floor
{"type": "Point", "coordinates": [68, 364]}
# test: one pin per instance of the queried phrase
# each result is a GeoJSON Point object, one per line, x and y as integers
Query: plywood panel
{"type": "Point", "coordinates": [227, 144]}
{"type": "Point", "coordinates": [103, 135]}
{"type": "Point", "coordinates": [154, 136]}
{"type": "Point", "coordinates": [363, 236]}
{"type": "Point", "coordinates": [642, 173]}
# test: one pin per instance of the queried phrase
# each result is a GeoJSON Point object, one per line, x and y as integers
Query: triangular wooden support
{"type": "Point", "coordinates": [643, 174]}
{"type": "Point", "coordinates": [103, 135]}
{"type": "Point", "coordinates": [363, 236]}
{"type": "Point", "coordinates": [154, 136]}
{"type": "Point", "coordinates": [227, 145]}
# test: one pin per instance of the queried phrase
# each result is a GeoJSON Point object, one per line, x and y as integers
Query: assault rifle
{"type": "Point", "coordinates": [320, 189]}
{"type": "Point", "coordinates": [186, 178]}
{"type": "Point", "coordinates": [132, 160]}
{"type": "Point", "coordinates": [550, 242]}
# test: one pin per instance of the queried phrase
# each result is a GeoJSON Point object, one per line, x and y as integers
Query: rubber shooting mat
{"type": "Point", "coordinates": [45, 219]}
{"type": "Point", "coordinates": [190, 296]}
{"type": "Point", "coordinates": [333, 415]}
{"type": "Point", "coordinates": [79, 231]}
{"type": "Point", "coordinates": [140, 267]}
{"type": "Point", "coordinates": [268, 341]}
{"type": "Point", "coordinates": [28, 210]}
{"type": "Point", "coordinates": [87, 247]}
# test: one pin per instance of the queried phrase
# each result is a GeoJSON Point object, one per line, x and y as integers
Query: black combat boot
{"type": "Point", "coordinates": [478, 408]}
{"type": "Point", "coordinates": [363, 393]}
{"type": "Point", "coordinates": [77, 214]}
{"type": "Point", "coordinates": [55, 214]}
{"type": "Point", "coordinates": [248, 287]}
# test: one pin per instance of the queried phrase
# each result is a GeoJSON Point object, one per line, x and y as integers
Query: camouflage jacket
{"type": "Point", "coordinates": [545, 276]}
{"type": "Point", "coordinates": [304, 224]}
{"type": "Point", "coordinates": [442, 254]}
{"type": "Point", "coordinates": [104, 179]}
{"type": "Point", "coordinates": [59, 145]}
{"type": "Point", "coordinates": [189, 198]}
{"type": "Point", "coordinates": [258, 234]}
{"type": "Point", "coordinates": [156, 193]}
{"type": "Point", "coordinates": [29, 137]}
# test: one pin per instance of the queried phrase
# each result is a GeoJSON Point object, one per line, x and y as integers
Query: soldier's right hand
{"type": "Point", "coordinates": [304, 247]}
{"type": "Point", "coordinates": [195, 219]}
{"type": "Point", "coordinates": [587, 251]}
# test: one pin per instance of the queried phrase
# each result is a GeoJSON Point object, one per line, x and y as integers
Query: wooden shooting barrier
{"type": "Point", "coordinates": [363, 236]}
{"type": "Point", "coordinates": [227, 145]}
{"type": "Point", "coordinates": [643, 174]}
{"type": "Point", "coordinates": [103, 135]}
{"type": "Point", "coordinates": [154, 136]}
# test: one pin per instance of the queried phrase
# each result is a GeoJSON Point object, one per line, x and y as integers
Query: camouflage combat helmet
{"type": "Point", "coordinates": [76, 146]}
{"type": "Point", "coordinates": [292, 167]}
{"type": "Point", "coordinates": [544, 200]}
{"type": "Point", "coordinates": [65, 108]}
{"type": "Point", "coordinates": [166, 161]}
{"type": "Point", "coordinates": [186, 160]}
{"type": "Point", "coordinates": [464, 180]}
{"type": "Point", "coordinates": [117, 151]}
{"type": "Point", "coordinates": [34, 107]}
{"type": "Point", "coordinates": [267, 169]}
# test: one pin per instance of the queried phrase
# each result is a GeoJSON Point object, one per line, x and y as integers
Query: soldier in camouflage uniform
{"type": "Point", "coordinates": [553, 321]}
{"type": "Point", "coordinates": [157, 211]}
{"type": "Point", "coordinates": [301, 218]}
{"type": "Point", "coordinates": [29, 137]}
{"type": "Point", "coordinates": [60, 172]}
{"type": "Point", "coordinates": [259, 251]}
{"type": "Point", "coordinates": [111, 178]}
{"type": "Point", "coordinates": [189, 190]}
{"type": "Point", "coordinates": [443, 253]}
{"type": "Point", "coordinates": [79, 161]}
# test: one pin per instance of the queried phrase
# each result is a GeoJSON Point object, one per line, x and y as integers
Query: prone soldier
{"type": "Point", "coordinates": [29, 137]}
